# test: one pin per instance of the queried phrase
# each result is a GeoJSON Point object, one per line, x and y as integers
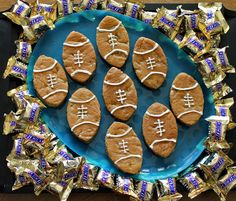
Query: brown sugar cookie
{"type": "Point", "coordinates": [149, 63]}
{"type": "Point", "coordinates": [50, 81]}
{"type": "Point", "coordinates": [124, 148]}
{"type": "Point", "coordinates": [119, 94]}
{"type": "Point", "coordinates": [160, 130]}
{"type": "Point", "coordinates": [79, 57]}
{"type": "Point", "coordinates": [83, 114]}
{"type": "Point", "coordinates": [186, 99]}
{"type": "Point", "coordinates": [113, 41]}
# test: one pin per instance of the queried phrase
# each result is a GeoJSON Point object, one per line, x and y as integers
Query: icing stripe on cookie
{"type": "Point", "coordinates": [46, 69]}
{"type": "Point", "coordinates": [85, 122]}
{"type": "Point", "coordinates": [153, 73]}
{"type": "Point", "coordinates": [129, 156]}
{"type": "Point", "coordinates": [119, 135]}
{"type": "Point", "coordinates": [185, 89]}
{"type": "Point", "coordinates": [162, 140]}
{"type": "Point", "coordinates": [115, 50]}
{"type": "Point", "coordinates": [187, 112]}
{"type": "Point", "coordinates": [76, 44]}
{"type": "Point", "coordinates": [109, 30]}
{"type": "Point", "coordinates": [157, 115]}
{"type": "Point", "coordinates": [148, 51]}
{"type": "Point", "coordinates": [122, 106]}
{"type": "Point", "coordinates": [54, 92]}
{"type": "Point", "coordinates": [84, 101]}
{"type": "Point", "coordinates": [117, 83]}
{"type": "Point", "coordinates": [80, 71]}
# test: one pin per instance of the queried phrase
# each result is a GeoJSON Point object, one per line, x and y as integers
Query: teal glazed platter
{"type": "Point", "coordinates": [190, 139]}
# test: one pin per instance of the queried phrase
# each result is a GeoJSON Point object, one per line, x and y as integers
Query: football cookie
{"type": "Point", "coordinates": [50, 81]}
{"type": "Point", "coordinates": [113, 41]}
{"type": "Point", "coordinates": [160, 130]}
{"type": "Point", "coordinates": [79, 57]}
{"type": "Point", "coordinates": [124, 148]}
{"type": "Point", "coordinates": [186, 99]}
{"type": "Point", "coordinates": [83, 114]}
{"type": "Point", "coordinates": [149, 63]}
{"type": "Point", "coordinates": [119, 94]}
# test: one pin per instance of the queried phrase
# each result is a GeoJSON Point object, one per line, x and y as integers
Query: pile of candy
{"type": "Point", "coordinates": [39, 158]}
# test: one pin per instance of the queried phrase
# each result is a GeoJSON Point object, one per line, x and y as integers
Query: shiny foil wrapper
{"type": "Point", "coordinates": [106, 178]}
{"type": "Point", "coordinates": [32, 109]}
{"type": "Point", "coordinates": [13, 124]}
{"type": "Point", "coordinates": [222, 60]}
{"type": "Point", "coordinates": [65, 7]}
{"type": "Point", "coordinates": [39, 23]}
{"type": "Point", "coordinates": [87, 177]}
{"type": "Point", "coordinates": [16, 69]}
{"type": "Point", "coordinates": [223, 109]}
{"type": "Point", "coordinates": [18, 151]}
{"type": "Point", "coordinates": [125, 185]}
{"type": "Point", "coordinates": [194, 183]}
{"type": "Point", "coordinates": [23, 50]}
{"type": "Point", "coordinates": [193, 46]}
{"type": "Point", "coordinates": [166, 190]}
{"type": "Point", "coordinates": [210, 72]}
{"type": "Point", "coordinates": [147, 16]}
{"type": "Point", "coordinates": [115, 6]}
{"type": "Point", "coordinates": [50, 10]}
{"type": "Point", "coordinates": [28, 34]}
{"type": "Point", "coordinates": [217, 133]}
{"type": "Point", "coordinates": [18, 94]}
{"type": "Point", "coordinates": [86, 5]}
{"type": "Point", "coordinates": [220, 90]}
{"type": "Point", "coordinates": [19, 12]}
{"type": "Point", "coordinates": [144, 190]}
{"type": "Point", "coordinates": [214, 165]}
{"type": "Point", "coordinates": [191, 21]}
{"type": "Point", "coordinates": [167, 22]}
{"type": "Point", "coordinates": [133, 9]}
{"type": "Point", "coordinates": [225, 183]}
{"type": "Point", "coordinates": [178, 39]}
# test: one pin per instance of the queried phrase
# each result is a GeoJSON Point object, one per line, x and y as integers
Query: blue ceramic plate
{"type": "Point", "coordinates": [190, 140]}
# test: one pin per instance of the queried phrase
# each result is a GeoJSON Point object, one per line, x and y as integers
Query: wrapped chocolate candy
{"type": "Point", "coordinates": [18, 94]}
{"type": "Point", "coordinates": [59, 153]}
{"type": "Point", "coordinates": [191, 21]}
{"type": "Point", "coordinates": [132, 9]}
{"type": "Point", "coordinates": [28, 34]}
{"type": "Point", "coordinates": [225, 183]}
{"type": "Point", "coordinates": [50, 10]}
{"type": "Point", "coordinates": [168, 22]}
{"type": "Point", "coordinates": [217, 133]}
{"type": "Point", "coordinates": [144, 190]}
{"type": "Point", "coordinates": [39, 23]}
{"type": "Point", "coordinates": [65, 7]}
{"type": "Point", "coordinates": [115, 6]}
{"type": "Point", "coordinates": [23, 50]}
{"type": "Point", "coordinates": [63, 189]}
{"type": "Point", "coordinates": [178, 39]}
{"type": "Point", "coordinates": [85, 5]}
{"type": "Point", "coordinates": [166, 190]}
{"type": "Point", "coordinates": [214, 165]}
{"type": "Point", "coordinates": [68, 169]}
{"type": "Point", "coordinates": [20, 182]}
{"type": "Point", "coordinates": [194, 183]}
{"type": "Point", "coordinates": [18, 151]}
{"type": "Point", "coordinates": [223, 109]}
{"type": "Point", "coordinates": [147, 16]}
{"type": "Point", "coordinates": [13, 123]}
{"type": "Point", "coordinates": [125, 186]}
{"type": "Point", "coordinates": [222, 60]}
{"type": "Point", "coordinates": [87, 177]}
{"type": "Point", "coordinates": [193, 45]}
{"type": "Point", "coordinates": [211, 73]}
{"type": "Point", "coordinates": [106, 178]}
{"type": "Point", "coordinates": [220, 90]}
{"type": "Point", "coordinates": [19, 11]}
{"type": "Point", "coordinates": [32, 109]}
{"type": "Point", "coordinates": [16, 69]}
{"type": "Point", "coordinates": [212, 21]}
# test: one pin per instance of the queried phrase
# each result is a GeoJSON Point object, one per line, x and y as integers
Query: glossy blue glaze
{"type": "Point", "coordinates": [190, 140]}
